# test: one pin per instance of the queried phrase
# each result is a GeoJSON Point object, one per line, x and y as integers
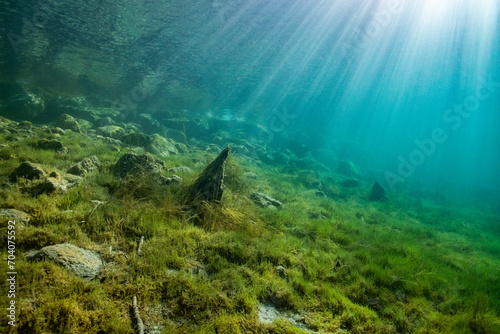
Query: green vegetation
{"type": "Point", "coordinates": [352, 266]}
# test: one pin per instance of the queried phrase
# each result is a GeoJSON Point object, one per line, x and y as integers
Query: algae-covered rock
{"type": "Point", "coordinates": [111, 131]}
{"type": "Point", "coordinates": [68, 122]}
{"type": "Point", "coordinates": [265, 201]}
{"type": "Point", "coordinates": [52, 144]}
{"type": "Point", "coordinates": [28, 171]}
{"type": "Point", "coordinates": [162, 147]}
{"type": "Point", "coordinates": [208, 186]}
{"type": "Point", "coordinates": [136, 139]}
{"type": "Point", "coordinates": [132, 163]}
{"type": "Point", "coordinates": [377, 193]}
{"type": "Point", "coordinates": [86, 166]}
{"type": "Point", "coordinates": [83, 263]}
{"type": "Point", "coordinates": [347, 168]}
{"type": "Point", "coordinates": [15, 215]}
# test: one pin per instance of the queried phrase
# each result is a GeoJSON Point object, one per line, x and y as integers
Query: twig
{"type": "Point", "coordinates": [139, 246]}
{"type": "Point", "coordinates": [137, 316]}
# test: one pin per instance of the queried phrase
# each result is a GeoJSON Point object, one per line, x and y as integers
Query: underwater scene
{"type": "Point", "coordinates": [250, 166]}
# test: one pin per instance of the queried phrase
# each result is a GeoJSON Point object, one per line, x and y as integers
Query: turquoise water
{"type": "Point", "coordinates": [408, 91]}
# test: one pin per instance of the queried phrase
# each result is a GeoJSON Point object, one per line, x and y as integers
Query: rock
{"type": "Point", "coordinates": [53, 144]}
{"type": "Point", "coordinates": [182, 148]}
{"type": "Point", "coordinates": [378, 193]}
{"type": "Point", "coordinates": [111, 131]}
{"type": "Point", "coordinates": [68, 122]}
{"type": "Point", "coordinates": [170, 180]}
{"type": "Point", "coordinates": [28, 171]}
{"type": "Point", "coordinates": [21, 104]}
{"type": "Point", "coordinates": [136, 139]}
{"type": "Point", "coordinates": [176, 135]}
{"type": "Point", "coordinates": [269, 312]}
{"type": "Point", "coordinates": [208, 186]}
{"type": "Point", "coordinates": [148, 123]}
{"type": "Point", "coordinates": [251, 175]}
{"type": "Point", "coordinates": [265, 201]}
{"type": "Point", "coordinates": [83, 263]}
{"type": "Point", "coordinates": [55, 183]}
{"type": "Point", "coordinates": [86, 166]}
{"type": "Point", "coordinates": [281, 271]}
{"type": "Point", "coordinates": [182, 169]}
{"type": "Point", "coordinates": [161, 147]}
{"type": "Point", "coordinates": [16, 215]}
{"type": "Point", "coordinates": [132, 163]}
{"type": "Point", "coordinates": [347, 168]}
{"type": "Point", "coordinates": [350, 183]}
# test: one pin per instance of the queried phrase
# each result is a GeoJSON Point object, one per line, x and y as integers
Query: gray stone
{"type": "Point", "coordinates": [83, 263]}
{"type": "Point", "coordinates": [86, 166]}
{"type": "Point", "coordinates": [28, 171]}
{"type": "Point", "coordinates": [251, 175]}
{"type": "Point", "coordinates": [265, 201]}
{"type": "Point", "coordinates": [16, 215]}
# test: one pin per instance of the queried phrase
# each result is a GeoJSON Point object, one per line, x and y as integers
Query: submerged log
{"type": "Point", "coordinates": [208, 186]}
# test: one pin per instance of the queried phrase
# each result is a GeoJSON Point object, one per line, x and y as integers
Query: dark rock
{"type": "Point", "coordinates": [347, 168]}
{"type": "Point", "coordinates": [15, 215]}
{"type": "Point", "coordinates": [378, 193]}
{"type": "Point", "coordinates": [148, 123]}
{"type": "Point", "coordinates": [350, 183]}
{"type": "Point", "coordinates": [83, 263]}
{"type": "Point", "coordinates": [136, 139]}
{"type": "Point", "coordinates": [265, 201]}
{"type": "Point", "coordinates": [86, 166]}
{"type": "Point", "coordinates": [28, 171]}
{"type": "Point", "coordinates": [176, 135]}
{"type": "Point", "coordinates": [208, 186]}
{"type": "Point", "coordinates": [132, 163]}
{"type": "Point", "coordinates": [68, 122]}
{"type": "Point", "coordinates": [53, 144]}
{"type": "Point", "coordinates": [21, 104]}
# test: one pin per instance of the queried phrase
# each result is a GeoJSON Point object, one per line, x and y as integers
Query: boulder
{"type": "Point", "coordinates": [52, 144]}
{"type": "Point", "coordinates": [208, 186]}
{"type": "Point", "coordinates": [28, 171]}
{"type": "Point", "coordinates": [83, 263]}
{"type": "Point", "coordinates": [162, 147]}
{"type": "Point", "coordinates": [55, 183]}
{"type": "Point", "coordinates": [68, 122]}
{"type": "Point", "coordinates": [350, 183]}
{"type": "Point", "coordinates": [265, 201]}
{"type": "Point", "coordinates": [15, 215]}
{"type": "Point", "coordinates": [132, 163]}
{"type": "Point", "coordinates": [111, 131]}
{"type": "Point", "coordinates": [84, 167]}
{"type": "Point", "coordinates": [377, 193]}
{"type": "Point", "coordinates": [347, 168]}
{"type": "Point", "coordinates": [136, 139]}
{"type": "Point", "coordinates": [182, 169]}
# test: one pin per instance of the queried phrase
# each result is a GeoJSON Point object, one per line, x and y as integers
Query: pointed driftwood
{"type": "Point", "coordinates": [208, 186]}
